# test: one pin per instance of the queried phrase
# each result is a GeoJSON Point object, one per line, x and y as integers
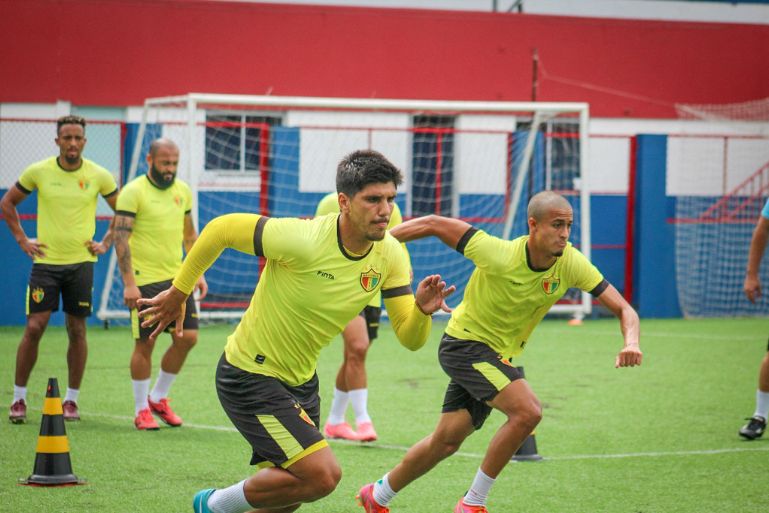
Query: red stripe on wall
{"type": "Point", "coordinates": [118, 52]}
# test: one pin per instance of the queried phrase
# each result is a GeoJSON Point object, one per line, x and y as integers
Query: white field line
{"type": "Point", "coordinates": [400, 448]}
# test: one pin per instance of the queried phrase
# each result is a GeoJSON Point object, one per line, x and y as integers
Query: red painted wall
{"type": "Point", "coordinates": [117, 52]}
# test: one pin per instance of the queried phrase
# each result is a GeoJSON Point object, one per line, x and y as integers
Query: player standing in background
{"type": "Point", "coordinates": [68, 187]}
{"type": "Point", "coordinates": [757, 424]}
{"type": "Point", "coordinates": [152, 223]}
{"type": "Point", "coordinates": [319, 275]}
{"type": "Point", "coordinates": [351, 384]}
{"type": "Point", "coordinates": [512, 287]}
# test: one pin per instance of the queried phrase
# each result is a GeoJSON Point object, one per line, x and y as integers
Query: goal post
{"type": "Point", "coordinates": [478, 161]}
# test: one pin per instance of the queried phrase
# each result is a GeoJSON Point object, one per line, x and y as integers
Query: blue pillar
{"type": "Point", "coordinates": [656, 293]}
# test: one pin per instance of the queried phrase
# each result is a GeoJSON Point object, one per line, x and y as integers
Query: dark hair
{"type": "Point", "coordinates": [69, 120]}
{"type": "Point", "coordinates": [363, 167]}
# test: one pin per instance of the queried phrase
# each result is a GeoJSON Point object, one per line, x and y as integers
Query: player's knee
{"type": "Point", "coordinates": [445, 446]}
{"type": "Point", "coordinates": [326, 481]}
{"type": "Point", "coordinates": [357, 353]}
{"type": "Point", "coordinates": [530, 415]}
{"type": "Point", "coordinates": [34, 331]}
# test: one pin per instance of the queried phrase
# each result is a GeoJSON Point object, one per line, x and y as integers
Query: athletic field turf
{"type": "Point", "coordinates": [661, 438]}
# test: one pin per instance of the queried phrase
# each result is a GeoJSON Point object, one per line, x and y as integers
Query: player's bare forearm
{"type": "Point", "coordinates": [448, 229]}
{"type": "Point", "coordinates": [123, 230]}
{"type": "Point", "coordinates": [630, 355]}
{"type": "Point", "coordinates": [757, 246]}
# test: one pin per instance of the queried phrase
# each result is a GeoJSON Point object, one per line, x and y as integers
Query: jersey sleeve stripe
{"type": "Point", "coordinates": [397, 291]}
{"type": "Point", "coordinates": [111, 193]}
{"type": "Point", "coordinates": [22, 188]}
{"type": "Point", "coordinates": [598, 290]}
{"type": "Point", "coordinates": [125, 213]}
{"type": "Point", "coordinates": [258, 234]}
{"type": "Point", "coordinates": [465, 239]}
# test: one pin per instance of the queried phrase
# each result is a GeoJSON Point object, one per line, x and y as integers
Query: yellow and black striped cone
{"type": "Point", "coordinates": [528, 449]}
{"type": "Point", "coordinates": [52, 463]}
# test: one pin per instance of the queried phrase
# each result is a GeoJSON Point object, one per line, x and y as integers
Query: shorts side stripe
{"type": "Point", "coordinates": [311, 449]}
{"type": "Point", "coordinates": [495, 376]}
{"type": "Point", "coordinates": [26, 302]}
{"type": "Point", "coordinates": [285, 440]}
{"type": "Point", "coordinates": [135, 323]}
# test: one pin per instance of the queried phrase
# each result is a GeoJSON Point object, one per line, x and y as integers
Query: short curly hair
{"type": "Point", "coordinates": [363, 167]}
{"type": "Point", "coordinates": [69, 120]}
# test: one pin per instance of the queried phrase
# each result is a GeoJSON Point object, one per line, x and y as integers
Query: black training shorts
{"type": "Point", "coordinates": [74, 282]}
{"type": "Point", "coordinates": [477, 375]}
{"type": "Point", "coordinates": [279, 421]}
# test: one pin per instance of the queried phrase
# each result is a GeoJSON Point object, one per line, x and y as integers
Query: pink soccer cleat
{"type": "Point", "coordinates": [144, 421]}
{"type": "Point", "coordinates": [365, 498]}
{"type": "Point", "coordinates": [366, 432]}
{"type": "Point", "coordinates": [461, 507]}
{"type": "Point", "coordinates": [164, 411]}
{"type": "Point", "coordinates": [342, 431]}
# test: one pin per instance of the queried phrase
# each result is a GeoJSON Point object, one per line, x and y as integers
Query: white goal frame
{"type": "Point", "coordinates": [194, 103]}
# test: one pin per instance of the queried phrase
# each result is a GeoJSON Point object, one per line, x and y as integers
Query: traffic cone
{"type": "Point", "coordinates": [528, 449]}
{"type": "Point", "coordinates": [52, 464]}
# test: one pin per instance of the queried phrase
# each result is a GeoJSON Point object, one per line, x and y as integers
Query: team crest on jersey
{"type": "Point", "coordinates": [550, 285]}
{"type": "Point", "coordinates": [369, 280]}
{"type": "Point", "coordinates": [37, 294]}
{"type": "Point", "coordinates": [83, 184]}
{"type": "Point", "coordinates": [178, 200]}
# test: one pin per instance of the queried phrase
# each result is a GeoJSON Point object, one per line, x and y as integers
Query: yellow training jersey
{"type": "Point", "coordinates": [330, 205]}
{"type": "Point", "coordinates": [156, 241]}
{"type": "Point", "coordinates": [310, 289]}
{"type": "Point", "coordinates": [66, 207]}
{"type": "Point", "coordinates": [505, 299]}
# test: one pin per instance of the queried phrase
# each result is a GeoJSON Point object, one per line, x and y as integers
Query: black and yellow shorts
{"type": "Point", "coordinates": [279, 421]}
{"type": "Point", "coordinates": [477, 375]}
{"type": "Point", "coordinates": [151, 290]}
{"type": "Point", "coordinates": [74, 282]}
{"type": "Point", "coordinates": [372, 314]}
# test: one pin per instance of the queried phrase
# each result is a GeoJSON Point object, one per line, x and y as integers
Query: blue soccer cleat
{"type": "Point", "coordinates": [200, 501]}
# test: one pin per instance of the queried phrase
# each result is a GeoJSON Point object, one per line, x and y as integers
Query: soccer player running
{"type": "Point", "coordinates": [512, 287]}
{"type": "Point", "coordinates": [152, 223]}
{"type": "Point", "coordinates": [359, 333]}
{"type": "Point", "coordinates": [319, 275]}
{"type": "Point", "coordinates": [68, 187]}
{"type": "Point", "coordinates": [757, 423]}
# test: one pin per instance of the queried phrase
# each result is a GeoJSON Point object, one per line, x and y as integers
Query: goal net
{"type": "Point", "coordinates": [478, 161]}
{"type": "Point", "coordinates": [720, 182]}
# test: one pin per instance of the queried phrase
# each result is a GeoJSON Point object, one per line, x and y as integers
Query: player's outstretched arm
{"type": "Point", "coordinates": [448, 229]}
{"type": "Point", "coordinates": [752, 286]}
{"type": "Point", "coordinates": [631, 354]}
{"type": "Point", "coordinates": [234, 231]}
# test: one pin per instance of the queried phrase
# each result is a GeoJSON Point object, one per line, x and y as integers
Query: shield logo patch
{"type": "Point", "coordinates": [37, 294]}
{"type": "Point", "coordinates": [550, 285]}
{"type": "Point", "coordinates": [369, 280]}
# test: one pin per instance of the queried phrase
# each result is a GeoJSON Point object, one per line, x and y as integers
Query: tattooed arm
{"type": "Point", "coordinates": [122, 232]}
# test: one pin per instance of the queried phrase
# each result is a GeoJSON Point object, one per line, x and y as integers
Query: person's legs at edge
{"type": "Point", "coordinates": [350, 381]}
{"type": "Point", "coordinates": [757, 423]}
{"type": "Point", "coordinates": [141, 370]}
{"type": "Point", "coordinates": [170, 366]}
{"type": "Point", "coordinates": [26, 357]}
